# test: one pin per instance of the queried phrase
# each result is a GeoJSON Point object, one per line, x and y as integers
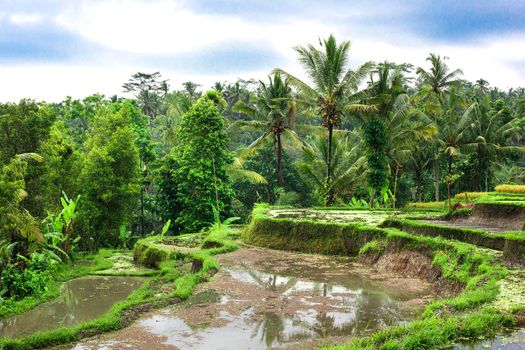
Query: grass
{"type": "Point", "coordinates": [143, 298]}
{"type": "Point", "coordinates": [511, 243]}
{"type": "Point", "coordinates": [432, 333]}
{"type": "Point", "coordinates": [433, 206]}
{"type": "Point", "coordinates": [511, 189]}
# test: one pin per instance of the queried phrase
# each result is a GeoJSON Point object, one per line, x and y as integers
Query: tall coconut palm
{"type": "Point", "coordinates": [454, 131]}
{"type": "Point", "coordinates": [334, 89]}
{"type": "Point", "coordinates": [435, 84]}
{"type": "Point", "coordinates": [273, 109]}
{"type": "Point", "coordinates": [439, 79]}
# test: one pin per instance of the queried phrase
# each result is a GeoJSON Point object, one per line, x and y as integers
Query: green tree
{"type": "Point", "coordinates": [15, 221]}
{"type": "Point", "coordinates": [25, 125]}
{"type": "Point", "coordinates": [348, 168]}
{"type": "Point", "coordinates": [194, 186]}
{"type": "Point", "coordinates": [387, 82]}
{"type": "Point", "coordinates": [58, 172]}
{"type": "Point", "coordinates": [148, 89]}
{"type": "Point", "coordinates": [335, 88]}
{"type": "Point", "coordinates": [110, 176]}
{"type": "Point", "coordinates": [273, 109]}
{"type": "Point", "coordinates": [434, 85]}
{"type": "Point", "coordinates": [490, 134]}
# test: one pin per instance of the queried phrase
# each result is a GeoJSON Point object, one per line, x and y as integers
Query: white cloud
{"type": "Point", "coordinates": [25, 18]}
{"type": "Point", "coordinates": [166, 27]}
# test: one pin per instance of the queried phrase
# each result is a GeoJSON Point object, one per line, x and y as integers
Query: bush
{"type": "Point", "coordinates": [18, 282]}
{"type": "Point", "coordinates": [511, 188]}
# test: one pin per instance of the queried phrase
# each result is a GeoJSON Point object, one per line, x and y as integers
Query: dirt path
{"type": "Point", "coordinates": [264, 299]}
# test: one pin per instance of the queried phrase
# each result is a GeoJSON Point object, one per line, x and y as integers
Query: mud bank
{"type": "Point", "coordinates": [495, 217]}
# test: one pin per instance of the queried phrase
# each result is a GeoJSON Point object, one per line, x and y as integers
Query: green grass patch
{"type": "Point", "coordinates": [432, 333]}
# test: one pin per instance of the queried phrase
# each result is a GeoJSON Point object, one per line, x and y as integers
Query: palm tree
{"type": "Point", "coordinates": [387, 82]}
{"type": "Point", "coordinates": [274, 110]}
{"type": "Point", "coordinates": [482, 86]}
{"type": "Point", "coordinates": [490, 135]}
{"type": "Point", "coordinates": [435, 85]}
{"type": "Point", "coordinates": [407, 128]}
{"type": "Point", "coordinates": [439, 79]}
{"type": "Point", "coordinates": [454, 133]}
{"type": "Point", "coordinates": [348, 167]}
{"type": "Point", "coordinates": [335, 88]}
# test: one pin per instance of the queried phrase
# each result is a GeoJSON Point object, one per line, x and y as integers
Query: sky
{"type": "Point", "coordinates": [50, 49]}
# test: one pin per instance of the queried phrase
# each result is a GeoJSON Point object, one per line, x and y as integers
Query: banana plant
{"type": "Point", "coordinates": [59, 228]}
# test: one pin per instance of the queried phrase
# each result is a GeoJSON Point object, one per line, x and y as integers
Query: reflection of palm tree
{"type": "Point", "coordinates": [267, 280]}
{"type": "Point", "coordinates": [271, 329]}
{"type": "Point", "coordinates": [373, 311]}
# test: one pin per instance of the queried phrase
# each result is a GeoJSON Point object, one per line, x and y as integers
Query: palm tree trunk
{"type": "Point", "coordinates": [435, 173]}
{"type": "Point", "coordinates": [478, 171]}
{"type": "Point", "coordinates": [449, 179]}
{"type": "Point", "coordinates": [329, 200]}
{"type": "Point", "coordinates": [487, 180]}
{"type": "Point", "coordinates": [279, 153]}
{"type": "Point", "coordinates": [395, 185]}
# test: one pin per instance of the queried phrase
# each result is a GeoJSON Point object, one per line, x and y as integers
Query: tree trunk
{"type": "Point", "coordinates": [487, 180]}
{"type": "Point", "coordinates": [449, 179]}
{"type": "Point", "coordinates": [395, 185]}
{"type": "Point", "coordinates": [216, 193]}
{"type": "Point", "coordinates": [478, 172]}
{"type": "Point", "coordinates": [329, 200]}
{"type": "Point", "coordinates": [435, 173]}
{"type": "Point", "coordinates": [371, 203]}
{"type": "Point", "coordinates": [278, 155]}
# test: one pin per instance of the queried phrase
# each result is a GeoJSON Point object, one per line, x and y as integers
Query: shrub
{"type": "Point", "coordinates": [18, 282]}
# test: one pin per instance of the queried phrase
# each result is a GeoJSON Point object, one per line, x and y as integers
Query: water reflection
{"type": "Point", "coordinates": [81, 300]}
{"type": "Point", "coordinates": [302, 310]}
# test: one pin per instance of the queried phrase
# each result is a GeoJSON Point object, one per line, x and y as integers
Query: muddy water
{"type": "Point", "coordinates": [81, 300]}
{"type": "Point", "coordinates": [268, 299]}
{"type": "Point", "coordinates": [514, 341]}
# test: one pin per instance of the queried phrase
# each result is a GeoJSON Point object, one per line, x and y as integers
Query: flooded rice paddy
{"type": "Point", "coordinates": [263, 299]}
{"type": "Point", "coordinates": [82, 299]}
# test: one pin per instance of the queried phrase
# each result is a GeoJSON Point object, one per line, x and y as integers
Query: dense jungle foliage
{"type": "Point", "coordinates": [98, 172]}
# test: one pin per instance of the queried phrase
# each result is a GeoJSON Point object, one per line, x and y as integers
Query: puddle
{"type": "Point", "coordinates": [514, 341]}
{"type": "Point", "coordinates": [264, 299]}
{"type": "Point", "coordinates": [287, 310]}
{"type": "Point", "coordinates": [81, 300]}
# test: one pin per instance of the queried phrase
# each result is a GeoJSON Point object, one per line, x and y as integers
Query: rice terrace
{"type": "Point", "coordinates": [336, 175]}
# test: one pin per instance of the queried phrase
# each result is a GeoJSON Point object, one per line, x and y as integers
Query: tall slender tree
{"type": "Point", "coordinates": [273, 109]}
{"type": "Point", "coordinates": [435, 84]}
{"type": "Point", "coordinates": [334, 89]}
